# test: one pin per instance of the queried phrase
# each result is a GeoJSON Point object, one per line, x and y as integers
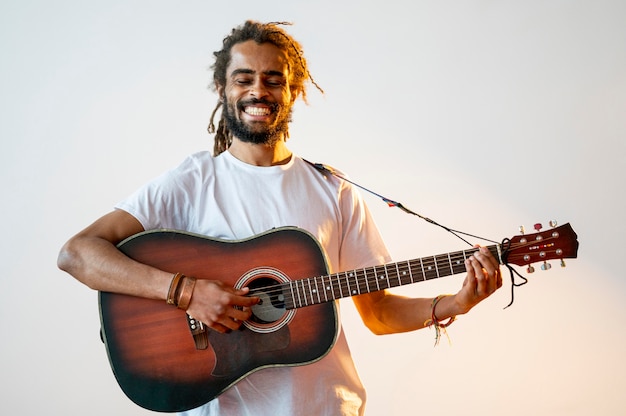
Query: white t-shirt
{"type": "Point", "coordinates": [226, 198]}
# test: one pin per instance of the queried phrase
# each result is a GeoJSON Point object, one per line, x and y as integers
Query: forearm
{"type": "Point", "coordinates": [98, 264]}
{"type": "Point", "coordinates": [386, 313]}
{"type": "Point", "coordinates": [391, 313]}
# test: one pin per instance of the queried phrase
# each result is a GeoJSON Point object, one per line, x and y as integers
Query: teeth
{"type": "Point", "coordinates": [257, 111]}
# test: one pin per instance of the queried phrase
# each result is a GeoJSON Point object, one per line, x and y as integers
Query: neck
{"type": "Point", "coordinates": [260, 154]}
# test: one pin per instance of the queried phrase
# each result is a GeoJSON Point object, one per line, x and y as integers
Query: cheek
{"type": "Point", "coordinates": [286, 99]}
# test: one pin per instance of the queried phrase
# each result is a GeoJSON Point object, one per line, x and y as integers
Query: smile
{"type": "Point", "coordinates": [257, 111]}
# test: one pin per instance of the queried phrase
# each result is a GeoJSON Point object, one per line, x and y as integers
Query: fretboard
{"type": "Point", "coordinates": [320, 289]}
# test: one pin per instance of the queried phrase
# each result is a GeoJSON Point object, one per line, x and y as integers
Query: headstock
{"type": "Point", "coordinates": [555, 243]}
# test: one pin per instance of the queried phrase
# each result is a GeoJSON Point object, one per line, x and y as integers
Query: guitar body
{"type": "Point", "coordinates": [150, 345]}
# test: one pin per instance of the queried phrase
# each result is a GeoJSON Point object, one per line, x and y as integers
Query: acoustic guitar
{"type": "Point", "coordinates": [166, 361]}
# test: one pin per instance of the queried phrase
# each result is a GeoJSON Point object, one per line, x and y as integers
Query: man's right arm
{"type": "Point", "coordinates": [91, 256]}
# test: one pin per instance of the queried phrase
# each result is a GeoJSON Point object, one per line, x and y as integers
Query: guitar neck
{"type": "Point", "coordinates": [316, 290]}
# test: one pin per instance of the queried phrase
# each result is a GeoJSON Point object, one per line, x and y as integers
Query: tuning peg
{"type": "Point", "coordinates": [538, 227]}
{"type": "Point", "coordinates": [553, 223]}
{"type": "Point", "coordinates": [546, 266]}
{"type": "Point", "coordinates": [562, 263]}
{"type": "Point", "coordinates": [530, 269]}
{"type": "Point", "coordinates": [521, 229]}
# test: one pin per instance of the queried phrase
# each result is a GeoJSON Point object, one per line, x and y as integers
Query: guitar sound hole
{"type": "Point", "coordinates": [271, 307]}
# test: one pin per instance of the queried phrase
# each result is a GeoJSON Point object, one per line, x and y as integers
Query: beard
{"type": "Point", "coordinates": [267, 136]}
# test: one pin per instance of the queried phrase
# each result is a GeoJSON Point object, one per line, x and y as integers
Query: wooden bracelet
{"type": "Point", "coordinates": [186, 291]}
{"type": "Point", "coordinates": [171, 293]}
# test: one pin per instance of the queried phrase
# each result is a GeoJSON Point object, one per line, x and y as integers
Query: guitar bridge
{"type": "Point", "coordinates": [198, 332]}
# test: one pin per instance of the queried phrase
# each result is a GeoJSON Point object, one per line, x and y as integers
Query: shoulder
{"type": "Point", "coordinates": [195, 166]}
{"type": "Point", "coordinates": [325, 170]}
{"type": "Point", "coordinates": [198, 160]}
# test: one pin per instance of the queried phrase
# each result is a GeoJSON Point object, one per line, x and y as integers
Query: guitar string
{"type": "Point", "coordinates": [279, 289]}
{"type": "Point", "coordinates": [337, 282]}
{"type": "Point", "coordinates": [343, 283]}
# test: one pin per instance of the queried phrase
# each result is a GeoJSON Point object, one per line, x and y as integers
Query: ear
{"type": "Point", "coordinates": [220, 91]}
{"type": "Point", "coordinates": [295, 93]}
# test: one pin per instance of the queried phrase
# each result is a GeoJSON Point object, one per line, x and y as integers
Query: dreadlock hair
{"type": "Point", "coordinates": [260, 33]}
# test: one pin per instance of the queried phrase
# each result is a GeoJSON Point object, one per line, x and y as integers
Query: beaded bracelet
{"type": "Point", "coordinates": [433, 321]}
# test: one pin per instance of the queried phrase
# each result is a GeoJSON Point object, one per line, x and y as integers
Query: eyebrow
{"type": "Point", "coordinates": [251, 72]}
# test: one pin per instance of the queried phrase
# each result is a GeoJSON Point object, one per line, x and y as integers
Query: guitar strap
{"type": "Point", "coordinates": [391, 203]}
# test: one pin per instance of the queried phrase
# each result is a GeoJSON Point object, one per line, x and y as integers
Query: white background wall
{"type": "Point", "coordinates": [483, 115]}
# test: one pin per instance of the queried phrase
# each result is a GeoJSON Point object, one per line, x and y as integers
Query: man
{"type": "Point", "coordinates": [253, 184]}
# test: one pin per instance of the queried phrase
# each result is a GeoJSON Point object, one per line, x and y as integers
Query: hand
{"type": "Point", "coordinates": [483, 278]}
{"type": "Point", "coordinates": [220, 307]}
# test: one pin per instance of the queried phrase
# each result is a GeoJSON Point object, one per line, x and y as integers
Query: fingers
{"type": "Point", "coordinates": [219, 307]}
{"type": "Point", "coordinates": [483, 273]}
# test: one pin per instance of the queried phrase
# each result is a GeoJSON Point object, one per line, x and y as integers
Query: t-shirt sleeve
{"type": "Point", "coordinates": [165, 201]}
{"type": "Point", "coordinates": [362, 244]}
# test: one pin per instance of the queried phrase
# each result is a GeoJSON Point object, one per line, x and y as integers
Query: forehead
{"type": "Point", "coordinates": [258, 58]}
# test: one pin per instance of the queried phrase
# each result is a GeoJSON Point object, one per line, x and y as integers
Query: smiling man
{"type": "Point", "coordinates": [250, 185]}
{"type": "Point", "coordinates": [257, 94]}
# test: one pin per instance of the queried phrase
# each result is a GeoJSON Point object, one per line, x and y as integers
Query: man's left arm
{"type": "Point", "coordinates": [386, 313]}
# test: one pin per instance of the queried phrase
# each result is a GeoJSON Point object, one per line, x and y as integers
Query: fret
{"type": "Point", "coordinates": [430, 272]}
{"type": "Point", "coordinates": [422, 269]}
{"type": "Point", "coordinates": [301, 293]}
{"type": "Point", "coordinates": [302, 287]}
{"type": "Point", "coordinates": [317, 291]}
{"type": "Point", "coordinates": [311, 292]}
{"type": "Point", "coordinates": [328, 288]}
{"type": "Point", "coordinates": [345, 285]}
{"type": "Point", "coordinates": [348, 288]}
{"type": "Point", "coordinates": [389, 275]}
{"type": "Point", "coordinates": [305, 292]}
{"type": "Point", "coordinates": [381, 277]}
{"type": "Point", "coordinates": [346, 278]}
{"type": "Point", "coordinates": [414, 269]}
{"type": "Point", "coordinates": [321, 289]}
{"type": "Point", "coordinates": [386, 275]}
{"type": "Point", "coordinates": [459, 264]}
{"type": "Point", "coordinates": [443, 265]}
{"type": "Point", "coordinates": [373, 278]}
{"type": "Point", "coordinates": [360, 282]}
{"type": "Point", "coordinates": [337, 285]}
{"type": "Point", "coordinates": [297, 301]}
{"type": "Point", "coordinates": [408, 264]}
{"type": "Point", "coordinates": [357, 288]}
{"type": "Point", "coordinates": [366, 280]}
{"type": "Point", "coordinates": [345, 288]}
{"type": "Point", "coordinates": [398, 275]}
{"type": "Point", "coordinates": [405, 272]}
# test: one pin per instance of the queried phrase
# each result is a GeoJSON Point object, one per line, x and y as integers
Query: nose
{"type": "Point", "coordinates": [258, 89]}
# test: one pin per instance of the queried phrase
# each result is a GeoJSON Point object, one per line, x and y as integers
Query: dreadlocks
{"type": "Point", "coordinates": [260, 33]}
